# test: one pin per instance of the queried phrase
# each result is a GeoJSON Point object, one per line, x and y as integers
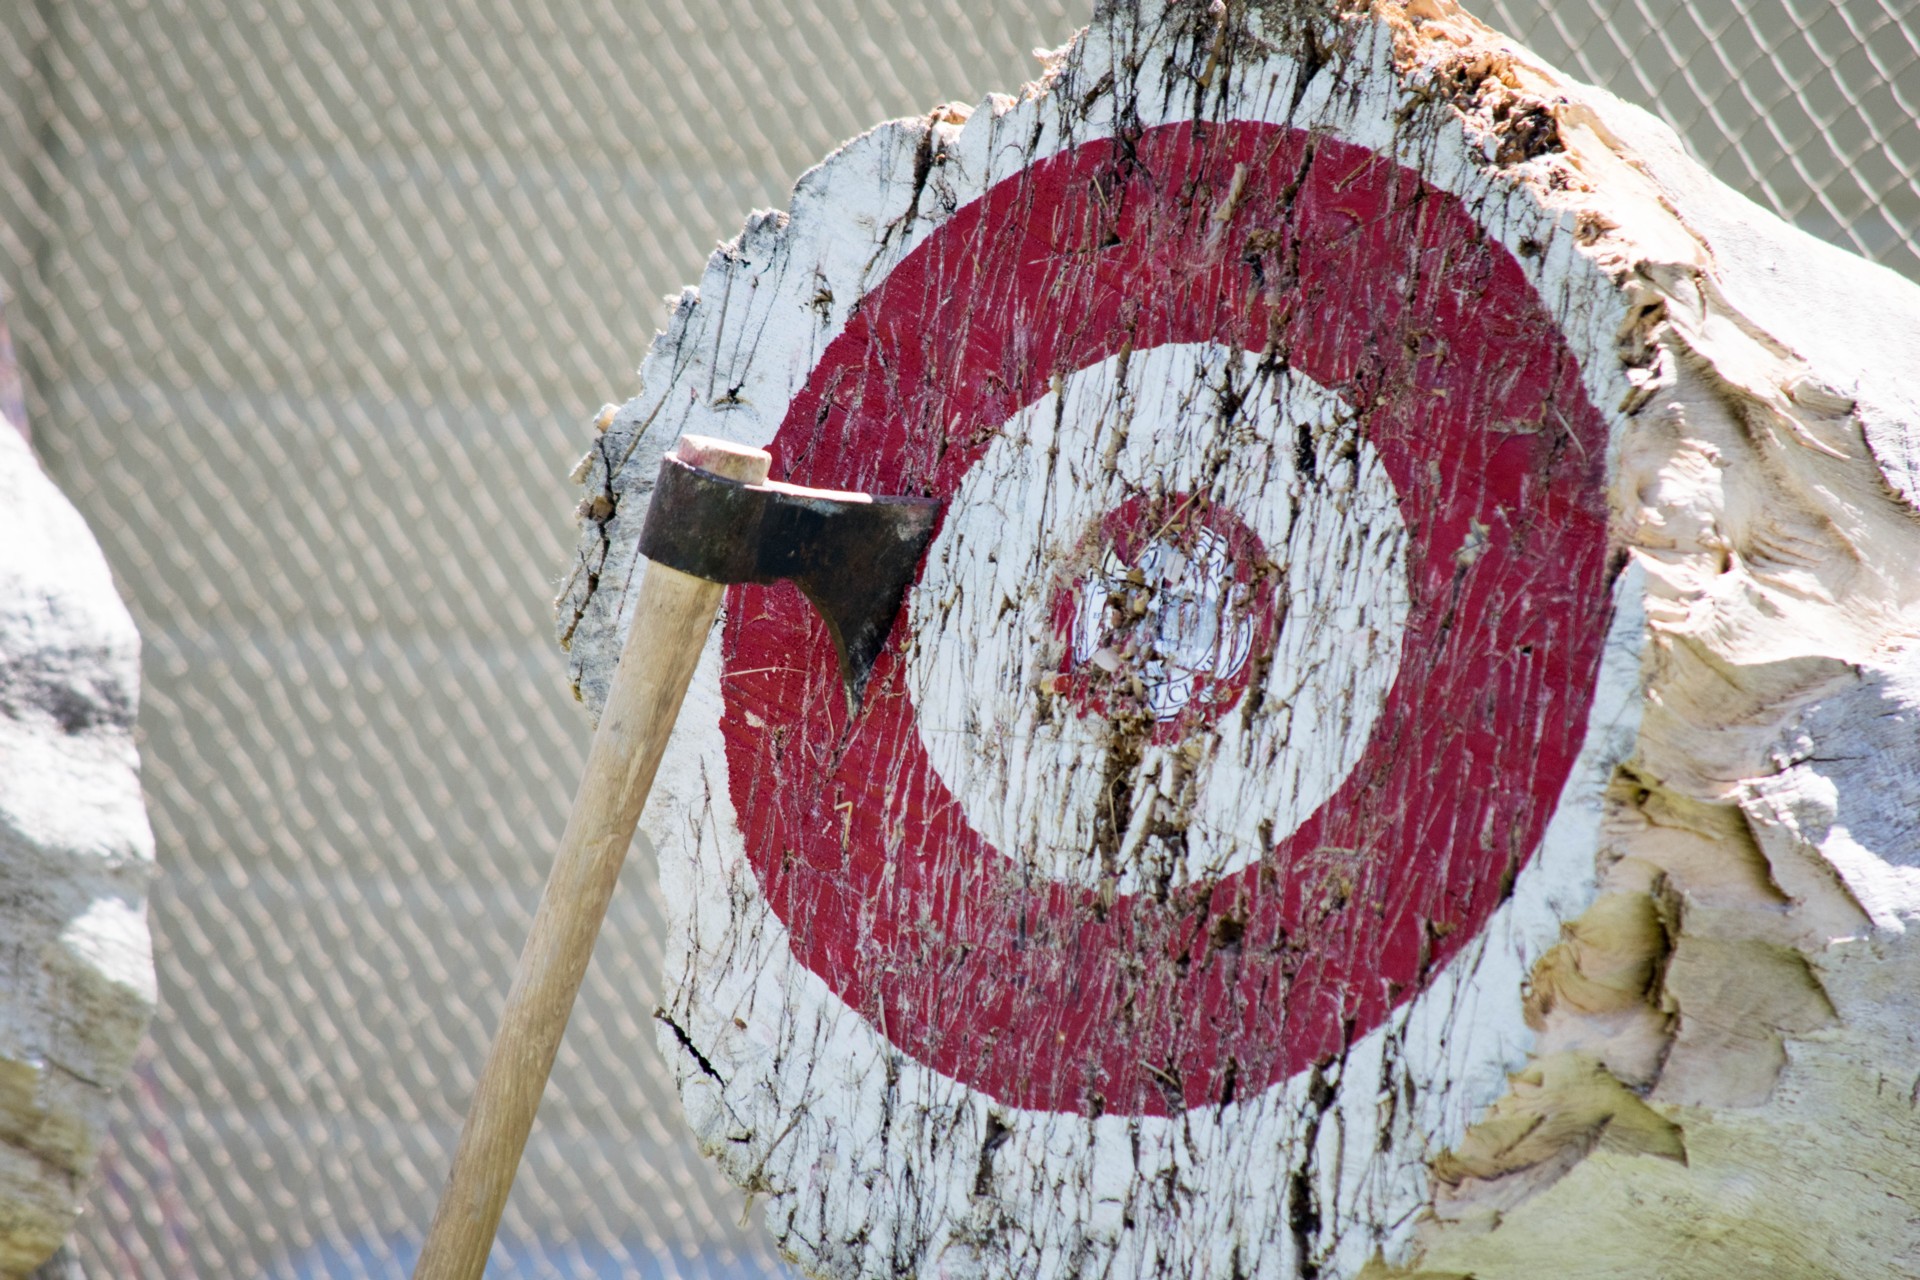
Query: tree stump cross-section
{"type": "Point", "coordinates": [1399, 756]}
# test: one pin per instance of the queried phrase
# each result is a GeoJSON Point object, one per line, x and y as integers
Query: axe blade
{"type": "Point", "coordinates": [851, 554]}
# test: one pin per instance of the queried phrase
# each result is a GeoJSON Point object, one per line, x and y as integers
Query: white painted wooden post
{"type": "Point", "coordinates": [1401, 755]}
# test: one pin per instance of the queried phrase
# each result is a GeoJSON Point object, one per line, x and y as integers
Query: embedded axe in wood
{"type": "Point", "coordinates": [714, 519]}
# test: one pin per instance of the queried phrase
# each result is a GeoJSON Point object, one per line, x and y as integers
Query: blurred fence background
{"type": "Point", "coordinates": [314, 304]}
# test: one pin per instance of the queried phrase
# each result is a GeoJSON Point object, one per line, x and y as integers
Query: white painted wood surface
{"type": "Point", "coordinates": [1684, 1043]}
{"type": "Point", "coordinates": [76, 964]}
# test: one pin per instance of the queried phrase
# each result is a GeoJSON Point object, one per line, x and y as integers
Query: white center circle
{"type": "Point", "coordinates": [1076, 797]}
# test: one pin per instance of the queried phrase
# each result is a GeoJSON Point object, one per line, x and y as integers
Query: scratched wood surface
{"type": "Point", "coordinates": [1397, 758]}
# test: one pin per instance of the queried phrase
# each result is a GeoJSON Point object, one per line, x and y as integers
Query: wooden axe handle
{"type": "Point", "coordinates": [670, 624]}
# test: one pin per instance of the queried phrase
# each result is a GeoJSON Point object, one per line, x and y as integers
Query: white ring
{"type": "Point", "coordinates": [1030, 772]}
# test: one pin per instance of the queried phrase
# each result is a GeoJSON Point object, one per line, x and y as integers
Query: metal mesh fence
{"type": "Point", "coordinates": [314, 303]}
{"type": "Point", "coordinates": [1810, 107]}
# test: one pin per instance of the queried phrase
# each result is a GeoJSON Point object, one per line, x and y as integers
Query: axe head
{"type": "Point", "coordinates": [851, 554]}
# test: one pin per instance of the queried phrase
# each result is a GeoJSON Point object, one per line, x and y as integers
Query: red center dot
{"type": "Point", "coordinates": [1170, 606]}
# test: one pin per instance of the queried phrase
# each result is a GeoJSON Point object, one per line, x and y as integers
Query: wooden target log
{"type": "Point", "coordinates": [1398, 759]}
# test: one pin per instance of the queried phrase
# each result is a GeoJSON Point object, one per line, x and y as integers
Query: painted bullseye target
{"type": "Point", "coordinates": [1243, 743]}
{"type": "Point", "coordinates": [1253, 652]}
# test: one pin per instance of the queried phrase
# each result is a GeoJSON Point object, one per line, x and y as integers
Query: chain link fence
{"type": "Point", "coordinates": [1809, 107]}
{"type": "Point", "coordinates": [314, 303]}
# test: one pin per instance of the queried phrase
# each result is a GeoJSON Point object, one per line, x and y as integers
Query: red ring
{"type": "Point", "coordinates": [1351, 269]}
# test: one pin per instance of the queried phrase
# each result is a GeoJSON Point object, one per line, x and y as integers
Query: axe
{"type": "Point", "coordinates": [714, 519]}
